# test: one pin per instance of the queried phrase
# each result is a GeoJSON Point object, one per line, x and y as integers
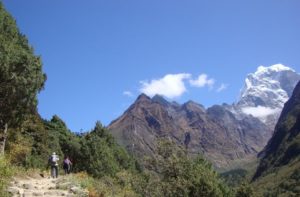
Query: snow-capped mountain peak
{"type": "Point", "coordinates": [266, 90]}
{"type": "Point", "coordinates": [261, 70]}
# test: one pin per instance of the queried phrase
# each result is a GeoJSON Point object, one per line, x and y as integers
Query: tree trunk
{"type": "Point", "coordinates": [3, 136]}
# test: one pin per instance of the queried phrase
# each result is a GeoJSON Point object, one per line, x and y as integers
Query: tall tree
{"type": "Point", "coordinates": [21, 76]}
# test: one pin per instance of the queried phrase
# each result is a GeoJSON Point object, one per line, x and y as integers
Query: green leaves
{"type": "Point", "coordinates": [180, 175]}
{"type": "Point", "coordinates": [21, 76]}
{"type": "Point", "coordinates": [6, 171]}
{"type": "Point", "coordinates": [244, 190]}
{"type": "Point", "coordinates": [101, 155]}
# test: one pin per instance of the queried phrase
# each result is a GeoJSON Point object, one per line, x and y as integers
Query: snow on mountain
{"type": "Point", "coordinates": [266, 91]}
{"type": "Point", "coordinates": [274, 68]}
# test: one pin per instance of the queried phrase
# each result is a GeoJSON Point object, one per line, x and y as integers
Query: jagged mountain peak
{"type": "Point", "coordinates": [150, 119]}
{"type": "Point", "coordinates": [274, 68]}
{"type": "Point", "coordinates": [191, 103]}
{"type": "Point", "coordinates": [142, 97]}
{"type": "Point", "coordinates": [266, 90]}
{"type": "Point", "coordinates": [273, 78]}
{"type": "Point", "coordinates": [160, 99]}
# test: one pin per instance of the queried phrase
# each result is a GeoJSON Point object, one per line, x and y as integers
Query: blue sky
{"type": "Point", "coordinates": [99, 55]}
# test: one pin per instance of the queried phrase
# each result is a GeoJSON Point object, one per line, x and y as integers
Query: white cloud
{"type": "Point", "coordinates": [170, 86]}
{"type": "Point", "coordinates": [260, 111]}
{"type": "Point", "coordinates": [202, 81]}
{"type": "Point", "coordinates": [128, 93]}
{"type": "Point", "coordinates": [222, 87]}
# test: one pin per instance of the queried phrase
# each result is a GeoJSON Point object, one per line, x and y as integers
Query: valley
{"type": "Point", "coordinates": [158, 146]}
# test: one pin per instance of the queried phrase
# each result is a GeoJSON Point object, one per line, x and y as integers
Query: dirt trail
{"type": "Point", "coordinates": [47, 187]}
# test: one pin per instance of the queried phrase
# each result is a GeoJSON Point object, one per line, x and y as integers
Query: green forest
{"type": "Point", "coordinates": [103, 167]}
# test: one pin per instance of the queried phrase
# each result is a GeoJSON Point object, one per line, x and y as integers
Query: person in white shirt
{"type": "Point", "coordinates": [53, 160]}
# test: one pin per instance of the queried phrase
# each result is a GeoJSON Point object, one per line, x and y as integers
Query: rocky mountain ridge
{"type": "Point", "coordinates": [214, 132]}
{"type": "Point", "coordinates": [224, 134]}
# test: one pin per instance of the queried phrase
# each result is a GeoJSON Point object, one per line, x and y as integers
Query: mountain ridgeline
{"type": "Point", "coordinates": [216, 132]}
{"type": "Point", "coordinates": [227, 135]}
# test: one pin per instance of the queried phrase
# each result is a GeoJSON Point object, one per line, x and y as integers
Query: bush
{"type": "Point", "coordinates": [101, 156]}
{"type": "Point", "coordinates": [180, 175]}
{"type": "Point", "coordinates": [120, 185]}
{"type": "Point", "coordinates": [245, 190]}
{"type": "Point", "coordinates": [6, 172]}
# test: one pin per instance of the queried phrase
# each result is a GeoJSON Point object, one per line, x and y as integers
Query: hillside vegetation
{"type": "Point", "coordinates": [279, 171]}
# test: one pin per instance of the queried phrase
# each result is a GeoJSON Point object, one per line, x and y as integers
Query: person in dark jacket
{"type": "Point", "coordinates": [67, 164]}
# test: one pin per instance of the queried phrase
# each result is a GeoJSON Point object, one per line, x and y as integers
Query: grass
{"type": "Point", "coordinates": [6, 173]}
{"type": "Point", "coordinates": [119, 186]}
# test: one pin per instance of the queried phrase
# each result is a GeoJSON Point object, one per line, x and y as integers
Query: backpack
{"type": "Point", "coordinates": [52, 160]}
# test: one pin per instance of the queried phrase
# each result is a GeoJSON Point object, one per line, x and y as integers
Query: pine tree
{"type": "Point", "coordinates": [21, 76]}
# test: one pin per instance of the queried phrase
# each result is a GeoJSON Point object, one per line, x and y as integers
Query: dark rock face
{"type": "Point", "coordinates": [288, 80]}
{"type": "Point", "coordinates": [284, 146]}
{"type": "Point", "coordinates": [216, 132]}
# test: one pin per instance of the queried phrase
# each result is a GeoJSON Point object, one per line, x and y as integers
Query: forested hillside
{"type": "Point", "coordinates": [279, 171]}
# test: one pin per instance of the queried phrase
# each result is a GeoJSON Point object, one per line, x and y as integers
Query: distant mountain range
{"type": "Point", "coordinates": [224, 134]}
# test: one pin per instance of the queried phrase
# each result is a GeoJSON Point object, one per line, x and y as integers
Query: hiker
{"type": "Point", "coordinates": [53, 160]}
{"type": "Point", "coordinates": [67, 165]}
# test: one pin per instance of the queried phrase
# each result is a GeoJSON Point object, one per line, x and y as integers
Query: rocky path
{"type": "Point", "coordinates": [47, 187]}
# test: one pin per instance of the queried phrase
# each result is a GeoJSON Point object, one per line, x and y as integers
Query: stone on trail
{"type": "Point", "coordinates": [13, 191]}
{"type": "Point", "coordinates": [79, 191]}
{"type": "Point", "coordinates": [28, 186]}
{"type": "Point", "coordinates": [37, 194]}
{"type": "Point", "coordinates": [54, 193]}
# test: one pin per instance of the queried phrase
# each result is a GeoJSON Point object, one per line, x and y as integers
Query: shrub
{"type": "Point", "coordinates": [180, 175]}
{"type": "Point", "coordinates": [6, 172]}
